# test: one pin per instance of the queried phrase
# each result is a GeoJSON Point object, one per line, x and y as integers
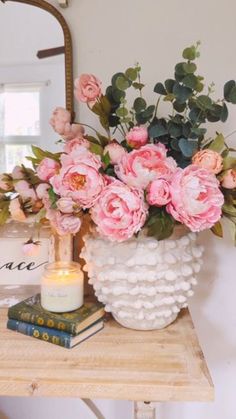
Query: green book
{"type": "Point", "coordinates": [31, 311]}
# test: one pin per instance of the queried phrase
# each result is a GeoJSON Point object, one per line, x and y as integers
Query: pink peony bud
{"type": "Point", "coordinates": [158, 193]}
{"type": "Point", "coordinates": [229, 179]}
{"type": "Point", "coordinates": [137, 137]}
{"type": "Point", "coordinates": [47, 168]}
{"type": "Point", "coordinates": [208, 159]}
{"type": "Point", "coordinates": [115, 151]}
{"type": "Point", "coordinates": [66, 205]}
{"type": "Point", "coordinates": [17, 214]}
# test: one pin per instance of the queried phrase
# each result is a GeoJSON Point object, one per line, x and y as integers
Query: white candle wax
{"type": "Point", "coordinates": [62, 289]}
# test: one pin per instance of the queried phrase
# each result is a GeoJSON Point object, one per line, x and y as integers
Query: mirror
{"type": "Point", "coordinates": [35, 77]}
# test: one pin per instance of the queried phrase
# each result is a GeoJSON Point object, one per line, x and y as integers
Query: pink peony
{"type": "Point", "coordinates": [79, 177]}
{"type": "Point", "coordinates": [31, 248]}
{"type": "Point", "coordinates": [196, 199]}
{"type": "Point", "coordinates": [72, 131]}
{"type": "Point", "coordinates": [141, 166]}
{"type": "Point", "coordinates": [229, 179]}
{"type": "Point", "coordinates": [61, 123]}
{"type": "Point", "coordinates": [17, 214]}
{"type": "Point", "coordinates": [158, 193]}
{"type": "Point", "coordinates": [137, 137]}
{"type": "Point", "coordinates": [42, 190]}
{"type": "Point", "coordinates": [115, 151]}
{"type": "Point", "coordinates": [63, 223]}
{"type": "Point", "coordinates": [65, 205]}
{"type": "Point", "coordinates": [47, 168]}
{"type": "Point", "coordinates": [76, 142]}
{"type": "Point", "coordinates": [208, 159]}
{"type": "Point", "coordinates": [17, 173]}
{"type": "Point", "coordinates": [25, 191]}
{"type": "Point", "coordinates": [120, 211]}
{"type": "Point", "coordinates": [87, 88]}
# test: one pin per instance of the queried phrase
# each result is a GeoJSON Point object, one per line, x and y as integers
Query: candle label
{"type": "Point", "coordinates": [16, 268]}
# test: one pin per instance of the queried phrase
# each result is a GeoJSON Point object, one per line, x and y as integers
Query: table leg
{"type": "Point", "coordinates": [144, 410]}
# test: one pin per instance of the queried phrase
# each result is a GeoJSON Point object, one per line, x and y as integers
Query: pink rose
{"type": "Point", "coordinates": [79, 177]}
{"type": "Point", "coordinates": [66, 205]}
{"type": "Point", "coordinates": [76, 142]}
{"type": "Point", "coordinates": [196, 199]}
{"type": "Point", "coordinates": [208, 159]}
{"type": "Point", "coordinates": [42, 190]}
{"type": "Point", "coordinates": [47, 168]}
{"type": "Point", "coordinates": [17, 214]}
{"type": "Point", "coordinates": [31, 248]}
{"type": "Point", "coordinates": [137, 137]}
{"type": "Point", "coordinates": [115, 151]}
{"type": "Point", "coordinates": [63, 223]}
{"type": "Point", "coordinates": [61, 123]}
{"type": "Point", "coordinates": [158, 193]}
{"type": "Point", "coordinates": [120, 211]}
{"type": "Point", "coordinates": [87, 88]}
{"type": "Point", "coordinates": [25, 191]}
{"type": "Point", "coordinates": [141, 166]}
{"type": "Point", "coordinates": [17, 173]}
{"type": "Point", "coordinates": [229, 179]}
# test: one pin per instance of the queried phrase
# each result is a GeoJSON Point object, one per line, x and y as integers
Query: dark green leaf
{"type": "Point", "coordinates": [224, 113]}
{"type": "Point", "coordinates": [53, 197]}
{"type": "Point", "coordinates": [146, 115]}
{"type": "Point", "coordinates": [190, 81]}
{"type": "Point", "coordinates": [179, 107]}
{"type": "Point", "coordinates": [187, 147]}
{"type": "Point", "coordinates": [159, 88]}
{"type": "Point", "coordinates": [160, 225]}
{"type": "Point", "coordinates": [139, 104]}
{"type": "Point", "coordinates": [182, 93]}
{"type": "Point", "coordinates": [229, 162]}
{"type": "Point", "coordinates": [175, 144]}
{"type": "Point", "coordinates": [175, 130]}
{"type": "Point", "coordinates": [189, 68]}
{"type": "Point", "coordinates": [232, 95]}
{"type": "Point", "coordinates": [157, 129]}
{"type": "Point", "coordinates": [204, 102]}
{"type": "Point", "coordinates": [229, 85]}
{"type": "Point", "coordinates": [169, 84]}
{"type": "Point", "coordinates": [122, 112]}
{"type": "Point", "coordinates": [122, 83]}
{"type": "Point", "coordinates": [189, 53]}
{"type": "Point", "coordinates": [131, 74]}
{"type": "Point", "coordinates": [179, 69]}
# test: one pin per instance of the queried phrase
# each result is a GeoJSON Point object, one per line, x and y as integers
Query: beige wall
{"type": "Point", "coordinates": [111, 35]}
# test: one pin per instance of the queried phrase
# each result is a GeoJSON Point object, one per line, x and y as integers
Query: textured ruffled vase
{"type": "Point", "coordinates": [143, 282]}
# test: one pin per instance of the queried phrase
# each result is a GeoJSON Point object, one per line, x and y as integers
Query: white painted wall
{"type": "Point", "coordinates": [108, 36]}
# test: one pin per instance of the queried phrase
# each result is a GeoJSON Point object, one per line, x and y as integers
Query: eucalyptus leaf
{"type": "Point", "coordinates": [187, 147]}
{"type": "Point", "coordinates": [190, 81]}
{"type": "Point", "coordinates": [131, 74]}
{"type": "Point", "coordinates": [139, 104]}
{"type": "Point", "coordinates": [204, 102]}
{"type": "Point", "coordinates": [169, 84]}
{"type": "Point", "coordinates": [122, 83]}
{"type": "Point", "coordinates": [189, 68]}
{"type": "Point", "coordinates": [189, 53]}
{"type": "Point", "coordinates": [159, 88]}
{"type": "Point", "coordinates": [229, 85]}
{"type": "Point", "coordinates": [182, 93]}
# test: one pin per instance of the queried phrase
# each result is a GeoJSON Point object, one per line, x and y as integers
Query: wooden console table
{"type": "Point", "coordinates": [117, 363]}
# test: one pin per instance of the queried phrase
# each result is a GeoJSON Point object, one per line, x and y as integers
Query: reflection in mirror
{"type": "Point", "coordinates": [30, 87]}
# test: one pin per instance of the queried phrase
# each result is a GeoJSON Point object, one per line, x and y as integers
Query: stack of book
{"type": "Point", "coordinates": [64, 329]}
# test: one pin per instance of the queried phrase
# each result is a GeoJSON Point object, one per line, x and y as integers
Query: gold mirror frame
{"type": "Point", "coordinates": [42, 4]}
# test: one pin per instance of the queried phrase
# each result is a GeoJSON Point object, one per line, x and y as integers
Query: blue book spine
{"type": "Point", "coordinates": [43, 333]}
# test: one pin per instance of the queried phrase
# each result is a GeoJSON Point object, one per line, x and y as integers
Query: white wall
{"type": "Point", "coordinates": [111, 35]}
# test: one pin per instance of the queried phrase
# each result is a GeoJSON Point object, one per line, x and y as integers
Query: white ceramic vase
{"type": "Point", "coordinates": [143, 282]}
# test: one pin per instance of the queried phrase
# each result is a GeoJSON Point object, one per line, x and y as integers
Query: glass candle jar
{"type": "Point", "coordinates": [62, 287]}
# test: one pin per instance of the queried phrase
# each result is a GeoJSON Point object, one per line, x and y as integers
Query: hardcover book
{"type": "Point", "coordinates": [54, 336]}
{"type": "Point", "coordinates": [31, 311]}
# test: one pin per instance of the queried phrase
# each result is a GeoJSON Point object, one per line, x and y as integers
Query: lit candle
{"type": "Point", "coordinates": [62, 287]}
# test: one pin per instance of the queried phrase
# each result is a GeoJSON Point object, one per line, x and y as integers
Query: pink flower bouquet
{"type": "Point", "coordinates": [145, 171]}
